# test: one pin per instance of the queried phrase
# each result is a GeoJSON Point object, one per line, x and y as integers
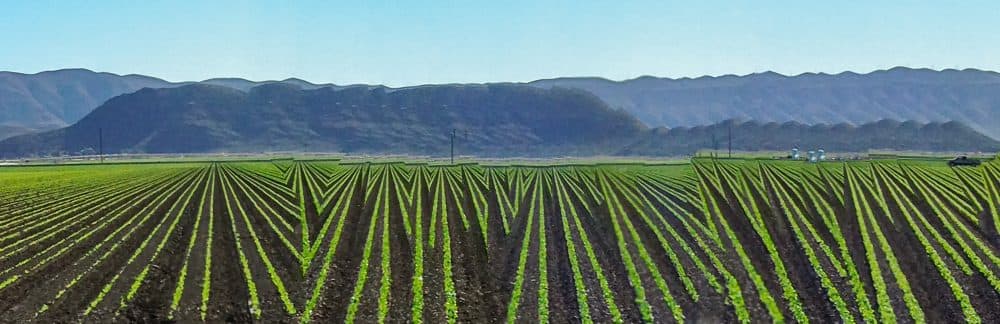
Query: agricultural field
{"type": "Point", "coordinates": [335, 241]}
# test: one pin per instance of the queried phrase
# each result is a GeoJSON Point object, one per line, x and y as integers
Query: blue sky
{"type": "Point", "coordinates": [402, 43]}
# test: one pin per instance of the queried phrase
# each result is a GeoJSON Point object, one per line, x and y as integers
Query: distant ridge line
{"type": "Point", "coordinates": [583, 77]}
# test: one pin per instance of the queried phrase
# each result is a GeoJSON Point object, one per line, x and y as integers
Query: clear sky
{"type": "Point", "coordinates": [402, 43]}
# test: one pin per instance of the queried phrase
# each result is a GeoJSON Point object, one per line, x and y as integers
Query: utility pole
{"type": "Point", "coordinates": [730, 139]}
{"type": "Point", "coordinates": [454, 134]}
{"type": "Point", "coordinates": [453, 146]}
{"type": "Point", "coordinates": [100, 143]}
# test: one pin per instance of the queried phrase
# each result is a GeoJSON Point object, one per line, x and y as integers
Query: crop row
{"type": "Point", "coordinates": [713, 240]}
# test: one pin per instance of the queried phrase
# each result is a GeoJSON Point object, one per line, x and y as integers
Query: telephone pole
{"type": "Point", "coordinates": [730, 139]}
{"type": "Point", "coordinates": [100, 143]}
{"type": "Point", "coordinates": [454, 134]}
{"type": "Point", "coordinates": [453, 146]}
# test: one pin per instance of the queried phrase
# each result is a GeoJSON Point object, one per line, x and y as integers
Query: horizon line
{"type": "Point", "coordinates": [641, 77]}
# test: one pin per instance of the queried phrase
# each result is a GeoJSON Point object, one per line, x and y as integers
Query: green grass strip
{"type": "Point", "coordinates": [672, 305]}
{"type": "Point", "coordinates": [543, 274]}
{"type": "Point", "coordinates": [182, 278]}
{"type": "Point", "coordinates": [385, 282]}
{"type": "Point", "coordinates": [609, 298]}
{"type": "Point", "coordinates": [861, 208]}
{"type": "Point", "coordinates": [904, 206]}
{"type": "Point", "coordinates": [451, 296]}
{"type": "Point", "coordinates": [522, 261]}
{"type": "Point", "coordinates": [359, 285]}
{"type": "Point", "coordinates": [142, 246]}
{"type": "Point", "coordinates": [671, 255]}
{"type": "Point", "coordinates": [785, 201]}
{"type": "Point", "coordinates": [633, 274]}
{"type": "Point", "coordinates": [578, 284]}
{"type": "Point", "coordinates": [206, 281]}
{"type": "Point", "coordinates": [763, 294]}
{"type": "Point", "coordinates": [418, 252]}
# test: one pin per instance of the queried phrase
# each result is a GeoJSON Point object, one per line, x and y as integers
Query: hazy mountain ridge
{"type": "Point", "coordinates": [493, 120]}
{"type": "Point", "coordinates": [245, 85]}
{"type": "Point", "coordinates": [970, 96]}
{"type": "Point", "coordinates": [11, 131]}
{"type": "Point", "coordinates": [47, 100]}
{"type": "Point", "coordinates": [842, 137]}
{"type": "Point", "coordinates": [55, 99]}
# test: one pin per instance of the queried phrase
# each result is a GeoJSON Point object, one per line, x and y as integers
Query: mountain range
{"type": "Point", "coordinates": [495, 120]}
{"type": "Point", "coordinates": [49, 100]}
{"type": "Point", "coordinates": [969, 96]}
{"type": "Point", "coordinates": [61, 112]}
{"type": "Point", "coordinates": [55, 99]}
{"type": "Point", "coordinates": [843, 137]}
{"type": "Point", "coordinates": [491, 120]}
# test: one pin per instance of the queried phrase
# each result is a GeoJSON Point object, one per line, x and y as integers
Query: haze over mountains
{"type": "Point", "coordinates": [492, 120]}
{"type": "Point", "coordinates": [55, 99]}
{"type": "Point", "coordinates": [969, 96]}
{"type": "Point", "coordinates": [58, 98]}
{"type": "Point", "coordinates": [541, 117]}
{"type": "Point", "coordinates": [843, 137]}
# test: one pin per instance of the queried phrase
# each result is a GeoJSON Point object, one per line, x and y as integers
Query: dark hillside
{"type": "Point", "coordinates": [492, 120]}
